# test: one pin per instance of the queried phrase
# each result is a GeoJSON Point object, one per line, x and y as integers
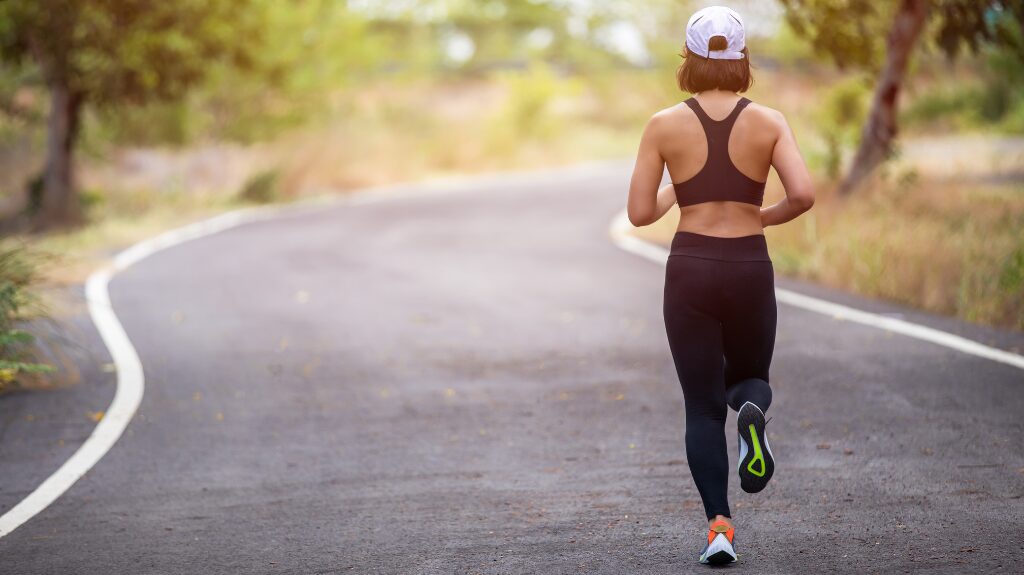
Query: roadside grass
{"type": "Point", "coordinates": [944, 246]}
{"type": "Point", "coordinates": [19, 276]}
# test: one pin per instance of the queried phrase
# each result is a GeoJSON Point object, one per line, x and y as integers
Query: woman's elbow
{"type": "Point", "coordinates": [802, 198]}
{"type": "Point", "coordinates": [639, 218]}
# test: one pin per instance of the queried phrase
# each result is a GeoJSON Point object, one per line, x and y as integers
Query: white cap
{"type": "Point", "coordinates": [716, 21]}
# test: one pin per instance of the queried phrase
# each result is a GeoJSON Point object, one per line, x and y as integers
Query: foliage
{"type": "Point", "coordinates": [982, 92]}
{"type": "Point", "coordinates": [853, 32]}
{"type": "Point", "coordinates": [527, 114]}
{"type": "Point", "coordinates": [110, 53]}
{"type": "Point", "coordinates": [839, 118]}
{"type": "Point", "coordinates": [126, 51]}
{"type": "Point", "coordinates": [261, 188]}
{"type": "Point", "coordinates": [17, 274]}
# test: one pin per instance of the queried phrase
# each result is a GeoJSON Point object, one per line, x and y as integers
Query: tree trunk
{"type": "Point", "coordinates": [876, 144]}
{"type": "Point", "coordinates": [59, 204]}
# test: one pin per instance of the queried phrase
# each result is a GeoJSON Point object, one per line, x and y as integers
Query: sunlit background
{"type": "Point", "coordinates": [124, 118]}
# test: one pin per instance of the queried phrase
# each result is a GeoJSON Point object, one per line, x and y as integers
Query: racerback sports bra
{"type": "Point", "coordinates": [718, 180]}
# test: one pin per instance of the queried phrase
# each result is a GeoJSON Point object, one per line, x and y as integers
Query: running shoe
{"type": "Point", "coordinates": [719, 549]}
{"type": "Point", "coordinates": [756, 462]}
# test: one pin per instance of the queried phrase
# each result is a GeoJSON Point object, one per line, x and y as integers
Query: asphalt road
{"type": "Point", "coordinates": [479, 382]}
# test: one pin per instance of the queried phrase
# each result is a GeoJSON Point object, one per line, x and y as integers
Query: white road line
{"type": "Point", "coordinates": [131, 381]}
{"type": "Point", "coordinates": [620, 232]}
{"type": "Point", "coordinates": [130, 377]}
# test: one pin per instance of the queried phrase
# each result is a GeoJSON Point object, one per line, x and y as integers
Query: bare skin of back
{"type": "Point", "coordinates": [760, 139]}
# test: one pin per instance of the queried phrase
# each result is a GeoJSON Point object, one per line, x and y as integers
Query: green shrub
{"type": "Point", "coordinates": [262, 187]}
{"type": "Point", "coordinates": [17, 275]}
{"type": "Point", "coordinates": [993, 98]}
{"type": "Point", "coordinates": [839, 119]}
{"type": "Point", "coordinates": [526, 113]}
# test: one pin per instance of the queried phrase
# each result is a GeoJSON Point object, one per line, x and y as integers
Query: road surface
{"type": "Point", "coordinates": [479, 382]}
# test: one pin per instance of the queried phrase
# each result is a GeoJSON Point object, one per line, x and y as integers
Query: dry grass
{"type": "Point", "coordinates": [947, 247]}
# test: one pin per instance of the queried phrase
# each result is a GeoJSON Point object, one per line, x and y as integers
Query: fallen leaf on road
{"type": "Point", "coordinates": [847, 452]}
{"type": "Point", "coordinates": [824, 446]}
{"type": "Point", "coordinates": [95, 415]}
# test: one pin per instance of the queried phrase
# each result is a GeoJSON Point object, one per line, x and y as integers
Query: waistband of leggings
{"type": "Point", "coordinates": [752, 248]}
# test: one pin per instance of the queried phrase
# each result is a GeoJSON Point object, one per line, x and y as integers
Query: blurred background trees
{"type": "Point", "coordinates": [121, 118]}
{"type": "Point", "coordinates": [112, 53]}
{"type": "Point", "coordinates": [852, 32]}
{"type": "Point", "coordinates": [140, 72]}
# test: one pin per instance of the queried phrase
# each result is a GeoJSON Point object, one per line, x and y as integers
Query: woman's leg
{"type": "Point", "coordinates": [748, 333]}
{"type": "Point", "coordinates": [749, 340]}
{"type": "Point", "coordinates": [754, 390]}
{"type": "Point", "coordinates": [695, 339]}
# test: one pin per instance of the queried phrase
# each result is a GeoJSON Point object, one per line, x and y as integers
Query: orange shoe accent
{"type": "Point", "coordinates": [720, 527]}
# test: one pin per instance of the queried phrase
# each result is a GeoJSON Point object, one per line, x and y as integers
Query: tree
{"type": "Point", "coordinates": [847, 31]}
{"type": "Point", "coordinates": [109, 53]}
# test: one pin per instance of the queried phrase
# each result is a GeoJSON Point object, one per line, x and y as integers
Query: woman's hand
{"type": "Point", "coordinates": [666, 199]}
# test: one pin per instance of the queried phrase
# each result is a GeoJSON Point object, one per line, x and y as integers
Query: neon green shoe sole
{"type": "Point", "coordinates": [756, 462]}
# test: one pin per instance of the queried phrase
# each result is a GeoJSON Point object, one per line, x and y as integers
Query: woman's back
{"type": "Point", "coordinates": [718, 185]}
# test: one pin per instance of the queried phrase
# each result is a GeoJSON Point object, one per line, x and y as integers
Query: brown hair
{"type": "Point", "coordinates": [697, 73]}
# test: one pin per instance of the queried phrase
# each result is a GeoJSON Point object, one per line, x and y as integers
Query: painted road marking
{"type": "Point", "coordinates": [620, 231]}
{"type": "Point", "coordinates": [130, 376]}
{"type": "Point", "coordinates": [131, 380]}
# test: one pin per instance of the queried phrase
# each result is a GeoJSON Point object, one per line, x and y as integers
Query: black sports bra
{"type": "Point", "coordinates": [719, 179]}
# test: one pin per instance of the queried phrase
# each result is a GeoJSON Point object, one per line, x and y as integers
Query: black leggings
{"type": "Point", "coordinates": [720, 318]}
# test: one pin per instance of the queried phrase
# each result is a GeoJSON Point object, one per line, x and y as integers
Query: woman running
{"type": "Point", "coordinates": [719, 301]}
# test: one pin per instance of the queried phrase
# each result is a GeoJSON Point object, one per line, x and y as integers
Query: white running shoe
{"type": "Point", "coordinates": [719, 549]}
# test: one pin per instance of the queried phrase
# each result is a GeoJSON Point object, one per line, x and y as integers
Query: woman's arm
{"type": "Point", "coordinates": [666, 199]}
{"type": "Point", "coordinates": [796, 180]}
{"type": "Point", "coordinates": [646, 203]}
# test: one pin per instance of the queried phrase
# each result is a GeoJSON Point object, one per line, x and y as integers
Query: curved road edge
{"type": "Point", "coordinates": [130, 376]}
{"type": "Point", "coordinates": [621, 236]}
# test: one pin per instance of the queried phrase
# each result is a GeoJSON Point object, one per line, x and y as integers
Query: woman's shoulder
{"type": "Point", "coordinates": [665, 125]}
{"type": "Point", "coordinates": [673, 118]}
{"type": "Point", "coordinates": [766, 114]}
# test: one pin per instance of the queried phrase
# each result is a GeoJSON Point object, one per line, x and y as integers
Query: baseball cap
{"type": "Point", "coordinates": [714, 21]}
